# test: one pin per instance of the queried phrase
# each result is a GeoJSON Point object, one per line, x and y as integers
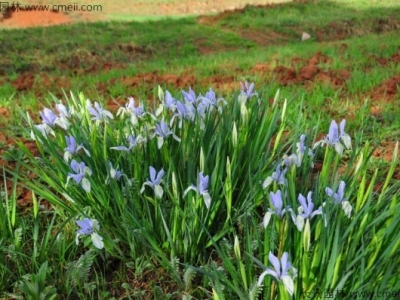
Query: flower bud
{"type": "Point", "coordinates": [174, 185]}
{"type": "Point", "coordinates": [234, 136]}
{"type": "Point", "coordinates": [244, 113]}
{"type": "Point", "coordinates": [236, 248]}
{"type": "Point", "coordinates": [201, 160]}
{"type": "Point", "coordinates": [307, 236]}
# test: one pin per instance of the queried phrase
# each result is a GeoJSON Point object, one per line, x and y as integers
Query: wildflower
{"type": "Point", "coordinates": [185, 111]}
{"type": "Point", "coordinates": [201, 189]}
{"type": "Point", "coordinates": [247, 90]}
{"type": "Point", "coordinates": [114, 174]}
{"type": "Point", "coordinates": [283, 271]}
{"type": "Point", "coordinates": [98, 113]}
{"type": "Point", "coordinates": [154, 182]}
{"type": "Point", "coordinates": [133, 142]}
{"type": "Point", "coordinates": [128, 107]}
{"type": "Point", "coordinates": [189, 96]}
{"type": "Point", "coordinates": [44, 129]}
{"type": "Point", "coordinates": [80, 170]}
{"type": "Point", "coordinates": [297, 158]}
{"type": "Point", "coordinates": [210, 101]}
{"type": "Point", "coordinates": [72, 148]}
{"type": "Point", "coordinates": [291, 160]}
{"type": "Point", "coordinates": [48, 117]}
{"type": "Point", "coordinates": [63, 116]}
{"type": "Point", "coordinates": [306, 210]}
{"type": "Point", "coordinates": [333, 138]}
{"type": "Point", "coordinates": [163, 132]}
{"type": "Point", "coordinates": [301, 148]}
{"type": "Point", "coordinates": [277, 203]}
{"type": "Point", "coordinates": [338, 198]}
{"type": "Point", "coordinates": [88, 227]}
{"type": "Point", "coordinates": [169, 101]}
{"type": "Point", "coordinates": [64, 112]}
{"type": "Point", "coordinates": [278, 176]}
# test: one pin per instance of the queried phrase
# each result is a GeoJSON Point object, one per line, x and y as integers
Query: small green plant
{"type": "Point", "coordinates": [34, 286]}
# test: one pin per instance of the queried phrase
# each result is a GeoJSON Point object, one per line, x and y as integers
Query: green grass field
{"type": "Point", "coordinates": [167, 248]}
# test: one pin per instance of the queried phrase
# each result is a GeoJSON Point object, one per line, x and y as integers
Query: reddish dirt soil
{"type": "Point", "coordinates": [24, 19]}
{"type": "Point", "coordinates": [310, 72]}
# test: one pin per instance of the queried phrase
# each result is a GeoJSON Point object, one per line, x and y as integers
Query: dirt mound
{"type": "Point", "coordinates": [311, 71]}
{"type": "Point", "coordinates": [30, 81]}
{"type": "Point", "coordinates": [387, 89]}
{"type": "Point", "coordinates": [180, 81]}
{"type": "Point", "coordinates": [383, 61]}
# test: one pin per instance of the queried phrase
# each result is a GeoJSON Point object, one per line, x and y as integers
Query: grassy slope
{"type": "Point", "coordinates": [173, 46]}
{"type": "Point", "coordinates": [351, 34]}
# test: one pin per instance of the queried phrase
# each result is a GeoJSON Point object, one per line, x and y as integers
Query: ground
{"type": "Point", "coordinates": [307, 72]}
{"type": "Point", "coordinates": [115, 10]}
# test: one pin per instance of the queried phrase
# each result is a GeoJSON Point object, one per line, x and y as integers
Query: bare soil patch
{"type": "Point", "coordinates": [310, 71]}
{"type": "Point", "coordinates": [25, 19]}
{"type": "Point", "coordinates": [109, 9]}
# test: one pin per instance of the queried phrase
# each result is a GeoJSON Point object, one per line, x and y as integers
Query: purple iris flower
{"type": "Point", "coordinates": [306, 212]}
{"type": "Point", "coordinates": [64, 112]}
{"type": "Point", "coordinates": [98, 113]}
{"type": "Point", "coordinates": [278, 176]}
{"type": "Point", "coordinates": [282, 271]}
{"type": "Point", "coordinates": [335, 135]}
{"type": "Point", "coordinates": [80, 170]}
{"type": "Point", "coordinates": [114, 173]}
{"type": "Point", "coordinates": [307, 207]}
{"type": "Point", "coordinates": [88, 227]}
{"type": "Point", "coordinates": [72, 148]}
{"type": "Point", "coordinates": [48, 117]}
{"type": "Point", "coordinates": [340, 199]}
{"type": "Point", "coordinates": [277, 203]}
{"type": "Point", "coordinates": [201, 189]}
{"type": "Point", "coordinates": [162, 130]}
{"type": "Point", "coordinates": [169, 101]}
{"type": "Point", "coordinates": [133, 142]}
{"type": "Point", "coordinates": [154, 182]}
{"type": "Point", "coordinates": [189, 96]}
{"type": "Point", "coordinates": [247, 89]}
{"type": "Point", "coordinates": [155, 179]}
{"type": "Point", "coordinates": [339, 195]}
{"type": "Point", "coordinates": [210, 96]}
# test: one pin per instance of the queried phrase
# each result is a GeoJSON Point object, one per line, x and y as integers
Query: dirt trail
{"type": "Point", "coordinates": [102, 10]}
